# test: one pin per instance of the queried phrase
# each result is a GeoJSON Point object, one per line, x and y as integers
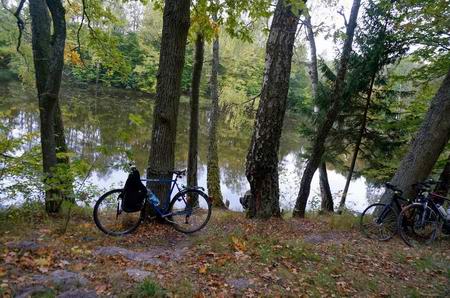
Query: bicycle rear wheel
{"type": "Point", "coordinates": [190, 211]}
{"type": "Point", "coordinates": [111, 219]}
{"type": "Point", "coordinates": [379, 221]}
{"type": "Point", "coordinates": [418, 224]}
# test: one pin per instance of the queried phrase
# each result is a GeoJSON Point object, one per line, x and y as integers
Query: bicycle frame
{"type": "Point", "coordinates": [162, 211]}
{"type": "Point", "coordinates": [427, 201]}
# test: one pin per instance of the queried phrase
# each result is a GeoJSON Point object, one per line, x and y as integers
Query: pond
{"type": "Point", "coordinates": [113, 128]}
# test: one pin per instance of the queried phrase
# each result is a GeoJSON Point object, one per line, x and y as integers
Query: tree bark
{"type": "Point", "coordinates": [319, 142]}
{"type": "Point", "coordinates": [176, 23]}
{"type": "Point", "coordinates": [427, 145]}
{"type": "Point", "coordinates": [213, 170]}
{"type": "Point", "coordinates": [444, 179]}
{"type": "Point", "coordinates": [262, 158]}
{"type": "Point", "coordinates": [362, 129]}
{"type": "Point", "coordinates": [48, 56]}
{"type": "Point", "coordinates": [327, 204]}
{"type": "Point", "coordinates": [325, 191]}
{"type": "Point", "coordinates": [195, 94]}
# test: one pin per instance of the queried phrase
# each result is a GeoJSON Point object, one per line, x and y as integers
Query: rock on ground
{"type": "Point", "coordinates": [138, 275]}
{"type": "Point", "coordinates": [153, 256]}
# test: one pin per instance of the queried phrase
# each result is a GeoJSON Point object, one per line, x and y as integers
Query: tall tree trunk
{"type": "Point", "coordinates": [444, 179]}
{"type": "Point", "coordinates": [195, 94]}
{"type": "Point", "coordinates": [48, 56]}
{"type": "Point", "coordinates": [362, 129]}
{"type": "Point", "coordinates": [325, 191]}
{"type": "Point", "coordinates": [213, 170]}
{"type": "Point", "coordinates": [262, 158]}
{"type": "Point", "coordinates": [176, 23]}
{"type": "Point", "coordinates": [318, 147]}
{"type": "Point", "coordinates": [427, 145]}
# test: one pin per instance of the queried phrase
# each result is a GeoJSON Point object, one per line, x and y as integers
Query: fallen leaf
{"type": "Point", "coordinates": [202, 269]}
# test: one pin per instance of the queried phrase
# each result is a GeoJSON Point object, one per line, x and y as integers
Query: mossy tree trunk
{"type": "Point", "coordinates": [262, 158]}
{"type": "Point", "coordinates": [176, 22]}
{"type": "Point", "coordinates": [213, 170]}
{"type": "Point", "coordinates": [48, 40]}
{"type": "Point", "coordinates": [193, 128]}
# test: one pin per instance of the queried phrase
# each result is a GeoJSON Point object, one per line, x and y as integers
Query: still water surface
{"type": "Point", "coordinates": [114, 128]}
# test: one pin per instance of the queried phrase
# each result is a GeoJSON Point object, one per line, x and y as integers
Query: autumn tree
{"type": "Point", "coordinates": [262, 158]}
{"type": "Point", "coordinates": [318, 147]}
{"type": "Point", "coordinates": [48, 41]}
{"type": "Point", "coordinates": [176, 21]}
{"type": "Point", "coordinates": [213, 170]}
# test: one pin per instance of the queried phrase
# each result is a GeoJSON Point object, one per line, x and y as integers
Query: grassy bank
{"type": "Point", "coordinates": [318, 256]}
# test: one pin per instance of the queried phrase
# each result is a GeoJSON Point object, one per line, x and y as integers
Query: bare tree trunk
{"type": "Point", "coordinates": [195, 94]}
{"type": "Point", "coordinates": [213, 170]}
{"type": "Point", "coordinates": [444, 179]}
{"type": "Point", "coordinates": [48, 56]}
{"type": "Point", "coordinates": [319, 142]}
{"type": "Point", "coordinates": [325, 191]}
{"type": "Point", "coordinates": [262, 158]}
{"type": "Point", "coordinates": [427, 145]}
{"type": "Point", "coordinates": [361, 132]}
{"type": "Point", "coordinates": [176, 23]}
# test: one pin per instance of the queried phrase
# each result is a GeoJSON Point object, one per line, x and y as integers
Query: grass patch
{"type": "Point", "coordinates": [343, 222]}
{"type": "Point", "coordinates": [424, 264]}
{"type": "Point", "coordinates": [300, 251]}
{"type": "Point", "coordinates": [184, 288]}
{"type": "Point", "coordinates": [149, 288]}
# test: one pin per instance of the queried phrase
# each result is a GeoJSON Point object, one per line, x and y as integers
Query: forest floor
{"type": "Point", "coordinates": [232, 256]}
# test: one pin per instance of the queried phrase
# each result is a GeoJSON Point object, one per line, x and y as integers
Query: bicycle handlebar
{"type": "Point", "coordinates": [179, 173]}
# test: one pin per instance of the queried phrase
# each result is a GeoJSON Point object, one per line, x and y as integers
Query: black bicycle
{"type": "Point", "coordinates": [420, 222]}
{"type": "Point", "coordinates": [189, 210]}
{"type": "Point", "coordinates": [379, 220]}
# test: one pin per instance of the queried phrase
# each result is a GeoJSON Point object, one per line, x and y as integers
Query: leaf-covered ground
{"type": "Point", "coordinates": [233, 256]}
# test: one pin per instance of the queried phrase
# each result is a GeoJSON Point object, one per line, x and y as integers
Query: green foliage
{"type": "Point", "coordinates": [149, 288]}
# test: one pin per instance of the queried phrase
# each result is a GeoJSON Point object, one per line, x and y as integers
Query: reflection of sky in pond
{"type": "Point", "coordinates": [289, 183]}
{"type": "Point", "coordinates": [105, 121]}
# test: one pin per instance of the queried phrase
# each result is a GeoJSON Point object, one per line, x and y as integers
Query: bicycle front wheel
{"type": "Point", "coordinates": [418, 224]}
{"type": "Point", "coordinates": [111, 219]}
{"type": "Point", "coordinates": [190, 210]}
{"type": "Point", "coordinates": [379, 221]}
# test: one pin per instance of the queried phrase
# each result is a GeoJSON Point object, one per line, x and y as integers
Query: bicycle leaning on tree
{"type": "Point", "coordinates": [421, 221]}
{"type": "Point", "coordinates": [121, 211]}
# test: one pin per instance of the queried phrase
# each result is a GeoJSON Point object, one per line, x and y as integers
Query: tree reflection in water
{"type": "Point", "coordinates": [114, 129]}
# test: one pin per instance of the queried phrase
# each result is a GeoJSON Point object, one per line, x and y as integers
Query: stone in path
{"type": "Point", "coordinates": [239, 283]}
{"type": "Point", "coordinates": [66, 280]}
{"type": "Point", "coordinates": [77, 294]}
{"type": "Point", "coordinates": [33, 291]}
{"type": "Point", "coordinates": [155, 256]}
{"type": "Point", "coordinates": [138, 275]}
{"type": "Point", "coordinates": [324, 237]}
{"type": "Point", "coordinates": [24, 245]}
{"type": "Point", "coordinates": [62, 279]}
